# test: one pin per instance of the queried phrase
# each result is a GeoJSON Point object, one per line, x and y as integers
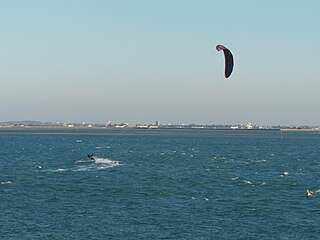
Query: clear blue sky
{"type": "Point", "coordinates": [139, 61]}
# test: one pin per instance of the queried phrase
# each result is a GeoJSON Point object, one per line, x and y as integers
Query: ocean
{"type": "Point", "coordinates": [159, 184]}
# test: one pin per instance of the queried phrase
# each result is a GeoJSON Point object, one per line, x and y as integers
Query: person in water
{"type": "Point", "coordinates": [90, 156]}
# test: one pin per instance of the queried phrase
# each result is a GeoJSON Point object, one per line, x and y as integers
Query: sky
{"type": "Point", "coordinates": [141, 61]}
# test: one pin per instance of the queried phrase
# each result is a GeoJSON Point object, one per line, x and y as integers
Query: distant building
{"type": "Point", "coordinates": [249, 125]}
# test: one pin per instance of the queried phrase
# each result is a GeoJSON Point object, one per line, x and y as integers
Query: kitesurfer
{"type": "Point", "coordinates": [90, 156]}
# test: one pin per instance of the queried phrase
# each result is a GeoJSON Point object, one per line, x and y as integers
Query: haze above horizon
{"type": "Point", "coordinates": [141, 61]}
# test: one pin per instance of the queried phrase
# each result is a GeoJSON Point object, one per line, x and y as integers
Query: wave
{"type": "Point", "coordinates": [5, 183]}
{"type": "Point", "coordinates": [98, 164]}
{"type": "Point", "coordinates": [55, 170]}
{"type": "Point", "coordinates": [87, 165]}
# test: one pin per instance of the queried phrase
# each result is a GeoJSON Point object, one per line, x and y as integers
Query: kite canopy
{"type": "Point", "coordinates": [228, 60]}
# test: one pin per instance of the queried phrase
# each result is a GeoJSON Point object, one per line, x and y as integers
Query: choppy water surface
{"type": "Point", "coordinates": [159, 184]}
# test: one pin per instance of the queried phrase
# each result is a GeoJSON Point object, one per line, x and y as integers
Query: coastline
{"type": "Point", "coordinates": [7, 127]}
{"type": "Point", "coordinates": [300, 130]}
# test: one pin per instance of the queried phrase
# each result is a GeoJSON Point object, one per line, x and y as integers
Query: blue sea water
{"type": "Point", "coordinates": [159, 184]}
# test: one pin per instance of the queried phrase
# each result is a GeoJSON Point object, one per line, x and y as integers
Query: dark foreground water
{"type": "Point", "coordinates": [159, 184]}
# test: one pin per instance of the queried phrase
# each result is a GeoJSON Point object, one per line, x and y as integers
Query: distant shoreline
{"type": "Point", "coordinates": [159, 128]}
{"type": "Point", "coordinates": [300, 130]}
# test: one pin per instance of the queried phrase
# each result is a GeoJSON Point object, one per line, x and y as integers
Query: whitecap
{"type": "Point", "coordinates": [57, 170]}
{"type": "Point", "coordinates": [246, 182]}
{"type": "Point", "coordinates": [5, 183]}
{"type": "Point", "coordinates": [261, 161]}
{"type": "Point", "coordinates": [106, 161]}
{"type": "Point", "coordinates": [88, 165]}
{"type": "Point", "coordinates": [53, 170]}
{"type": "Point", "coordinates": [83, 161]}
{"type": "Point", "coordinates": [234, 178]}
{"type": "Point", "coordinates": [83, 169]}
{"type": "Point", "coordinates": [98, 164]}
{"type": "Point", "coordinates": [101, 147]}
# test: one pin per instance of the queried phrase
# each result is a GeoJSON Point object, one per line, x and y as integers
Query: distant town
{"type": "Point", "coordinates": [155, 125]}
